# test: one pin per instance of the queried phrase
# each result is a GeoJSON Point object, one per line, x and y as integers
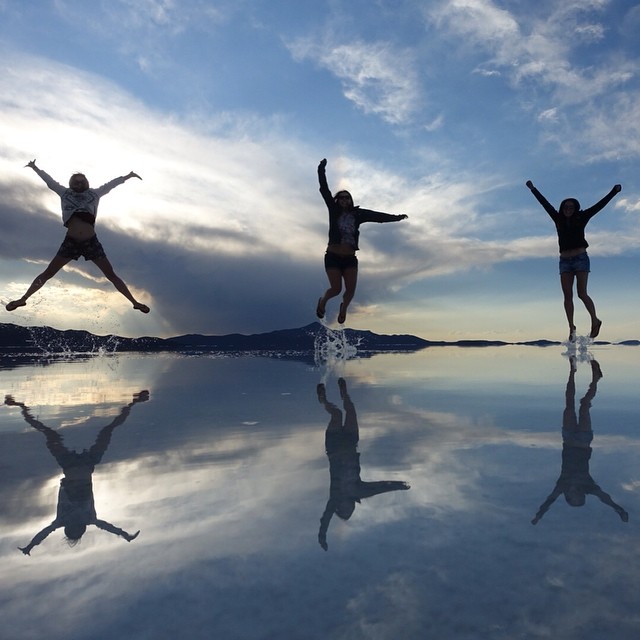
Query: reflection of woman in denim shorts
{"type": "Point", "coordinates": [570, 223]}
{"type": "Point", "coordinates": [340, 261]}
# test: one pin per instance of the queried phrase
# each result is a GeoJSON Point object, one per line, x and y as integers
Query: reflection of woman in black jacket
{"type": "Point", "coordinates": [340, 260]}
{"type": "Point", "coordinates": [575, 481]}
{"type": "Point", "coordinates": [341, 441]}
{"type": "Point", "coordinates": [76, 509]}
{"type": "Point", "coordinates": [570, 223]}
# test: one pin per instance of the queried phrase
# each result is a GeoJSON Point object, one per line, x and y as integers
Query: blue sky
{"type": "Point", "coordinates": [441, 110]}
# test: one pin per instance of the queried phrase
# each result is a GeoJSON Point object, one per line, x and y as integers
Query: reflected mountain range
{"type": "Point", "coordinates": [37, 339]}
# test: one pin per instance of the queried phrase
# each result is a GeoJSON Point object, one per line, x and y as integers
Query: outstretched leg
{"type": "Point", "coordinates": [54, 266]}
{"type": "Point", "coordinates": [582, 278]}
{"type": "Point", "coordinates": [105, 266]}
{"type": "Point", "coordinates": [350, 277]}
{"type": "Point", "coordinates": [335, 286]}
{"type": "Point", "coordinates": [566, 281]}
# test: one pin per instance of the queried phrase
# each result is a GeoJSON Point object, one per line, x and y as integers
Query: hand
{"type": "Point", "coordinates": [529, 184]}
{"type": "Point", "coordinates": [323, 163]}
{"type": "Point", "coordinates": [31, 165]}
{"type": "Point", "coordinates": [402, 216]}
{"type": "Point", "coordinates": [617, 188]}
{"type": "Point", "coordinates": [132, 175]}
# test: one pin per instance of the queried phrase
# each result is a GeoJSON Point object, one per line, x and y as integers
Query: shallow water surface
{"type": "Point", "coordinates": [478, 493]}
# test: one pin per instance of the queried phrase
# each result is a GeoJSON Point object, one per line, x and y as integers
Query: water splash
{"type": "Point", "coordinates": [579, 349]}
{"type": "Point", "coordinates": [332, 347]}
{"type": "Point", "coordinates": [69, 344]}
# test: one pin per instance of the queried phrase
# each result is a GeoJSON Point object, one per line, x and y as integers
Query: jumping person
{"type": "Point", "coordinates": [570, 223]}
{"type": "Point", "coordinates": [76, 509]}
{"type": "Point", "coordinates": [340, 261]}
{"type": "Point", "coordinates": [79, 209]}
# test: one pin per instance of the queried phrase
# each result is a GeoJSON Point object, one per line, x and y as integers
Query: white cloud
{"type": "Point", "coordinates": [377, 77]}
{"type": "Point", "coordinates": [546, 51]}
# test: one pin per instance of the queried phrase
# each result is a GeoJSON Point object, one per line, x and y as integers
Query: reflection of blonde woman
{"type": "Point", "coordinates": [79, 210]}
{"type": "Point", "coordinates": [76, 509]}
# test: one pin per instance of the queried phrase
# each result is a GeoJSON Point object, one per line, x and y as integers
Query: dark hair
{"type": "Point", "coordinates": [344, 193]}
{"type": "Point", "coordinates": [73, 533]}
{"type": "Point", "coordinates": [576, 204]}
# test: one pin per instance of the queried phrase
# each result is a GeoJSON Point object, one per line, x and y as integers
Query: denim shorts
{"type": "Point", "coordinates": [340, 262]}
{"type": "Point", "coordinates": [575, 264]}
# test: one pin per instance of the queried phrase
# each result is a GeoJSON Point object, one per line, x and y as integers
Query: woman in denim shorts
{"type": "Point", "coordinates": [570, 223]}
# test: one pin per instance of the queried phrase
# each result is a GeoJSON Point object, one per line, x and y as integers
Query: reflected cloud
{"type": "Point", "coordinates": [76, 509]}
{"type": "Point", "coordinates": [341, 443]}
{"type": "Point", "coordinates": [575, 481]}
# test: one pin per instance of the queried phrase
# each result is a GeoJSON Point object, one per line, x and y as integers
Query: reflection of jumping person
{"type": "Point", "coordinates": [570, 223]}
{"type": "Point", "coordinates": [79, 209]}
{"type": "Point", "coordinates": [575, 481]}
{"type": "Point", "coordinates": [340, 260]}
{"type": "Point", "coordinates": [76, 509]}
{"type": "Point", "coordinates": [341, 441]}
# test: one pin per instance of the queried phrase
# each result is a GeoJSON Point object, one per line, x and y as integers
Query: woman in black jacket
{"type": "Point", "coordinates": [340, 261]}
{"type": "Point", "coordinates": [570, 223]}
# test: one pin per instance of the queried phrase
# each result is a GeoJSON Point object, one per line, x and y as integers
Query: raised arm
{"type": "Point", "coordinates": [544, 507]}
{"type": "Point", "coordinates": [601, 204]}
{"type": "Point", "coordinates": [541, 199]}
{"type": "Point", "coordinates": [324, 187]}
{"type": "Point", "coordinates": [105, 188]}
{"type": "Point", "coordinates": [48, 180]}
{"type": "Point", "coordinates": [39, 537]}
{"type": "Point", "coordinates": [107, 526]}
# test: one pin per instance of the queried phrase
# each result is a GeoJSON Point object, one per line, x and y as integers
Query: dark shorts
{"type": "Point", "coordinates": [342, 263]}
{"type": "Point", "coordinates": [90, 249]}
{"type": "Point", "coordinates": [575, 264]}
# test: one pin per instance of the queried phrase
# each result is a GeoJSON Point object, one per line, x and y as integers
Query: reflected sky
{"type": "Point", "coordinates": [449, 493]}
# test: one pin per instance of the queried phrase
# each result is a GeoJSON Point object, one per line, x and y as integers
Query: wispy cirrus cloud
{"type": "Point", "coordinates": [378, 77]}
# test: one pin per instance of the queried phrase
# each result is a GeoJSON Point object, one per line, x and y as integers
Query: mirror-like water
{"type": "Point", "coordinates": [487, 493]}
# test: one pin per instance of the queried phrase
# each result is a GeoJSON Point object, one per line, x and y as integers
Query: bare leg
{"type": "Point", "coordinates": [566, 281]}
{"type": "Point", "coordinates": [335, 286]}
{"type": "Point", "coordinates": [581, 289]}
{"type": "Point", "coordinates": [54, 266]}
{"type": "Point", "coordinates": [105, 266]}
{"type": "Point", "coordinates": [350, 277]}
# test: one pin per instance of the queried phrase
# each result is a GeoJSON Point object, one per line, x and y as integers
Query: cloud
{"type": "Point", "coordinates": [536, 55]}
{"type": "Point", "coordinates": [378, 77]}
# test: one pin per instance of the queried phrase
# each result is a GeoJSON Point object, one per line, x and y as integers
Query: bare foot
{"type": "Point", "coordinates": [15, 304]}
{"type": "Point", "coordinates": [595, 329]}
{"type": "Point", "coordinates": [342, 315]}
{"type": "Point", "coordinates": [141, 307]}
{"type": "Point", "coordinates": [320, 309]}
{"type": "Point", "coordinates": [572, 334]}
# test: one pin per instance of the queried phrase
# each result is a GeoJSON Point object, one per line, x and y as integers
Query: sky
{"type": "Point", "coordinates": [438, 109]}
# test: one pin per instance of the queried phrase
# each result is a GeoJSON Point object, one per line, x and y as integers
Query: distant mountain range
{"type": "Point", "coordinates": [46, 339]}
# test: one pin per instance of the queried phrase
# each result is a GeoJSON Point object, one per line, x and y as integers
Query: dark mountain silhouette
{"type": "Point", "coordinates": [47, 339]}
{"type": "Point", "coordinates": [17, 339]}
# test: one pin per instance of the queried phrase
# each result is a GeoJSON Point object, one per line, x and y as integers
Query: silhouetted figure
{"type": "Point", "coordinates": [341, 442]}
{"type": "Point", "coordinates": [570, 223]}
{"type": "Point", "coordinates": [575, 481]}
{"type": "Point", "coordinates": [76, 509]}
{"type": "Point", "coordinates": [79, 210]}
{"type": "Point", "coordinates": [340, 261]}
